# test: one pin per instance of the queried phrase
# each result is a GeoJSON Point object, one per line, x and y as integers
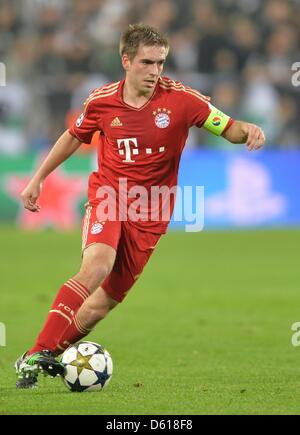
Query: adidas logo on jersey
{"type": "Point", "coordinates": [116, 123]}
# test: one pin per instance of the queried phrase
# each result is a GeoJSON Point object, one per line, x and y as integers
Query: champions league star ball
{"type": "Point", "coordinates": [88, 367]}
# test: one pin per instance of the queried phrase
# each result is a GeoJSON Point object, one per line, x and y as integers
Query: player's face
{"type": "Point", "coordinates": [143, 71]}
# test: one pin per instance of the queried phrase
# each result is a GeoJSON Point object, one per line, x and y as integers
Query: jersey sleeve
{"type": "Point", "coordinates": [203, 114]}
{"type": "Point", "coordinates": [86, 124]}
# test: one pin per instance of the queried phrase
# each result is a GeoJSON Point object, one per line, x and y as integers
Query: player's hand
{"type": "Point", "coordinates": [256, 138]}
{"type": "Point", "coordinates": [30, 196]}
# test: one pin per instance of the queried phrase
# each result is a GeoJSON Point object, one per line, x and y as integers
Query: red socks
{"type": "Point", "coordinates": [60, 318]}
{"type": "Point", "coordinates": [72, 334]}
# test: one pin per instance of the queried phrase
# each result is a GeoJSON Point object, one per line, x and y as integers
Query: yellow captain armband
{"type": "Point", "coordinates": [216, 122]}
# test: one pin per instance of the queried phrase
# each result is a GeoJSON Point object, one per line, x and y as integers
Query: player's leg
{"type": "Point", "coordinates": [97, 263]}
{"type": "Point", "coordinates": [134, 250]}
{"type": "Point", "coordinates": [94, 309]}
{"type": "Point", "coordinates": [100, 241]}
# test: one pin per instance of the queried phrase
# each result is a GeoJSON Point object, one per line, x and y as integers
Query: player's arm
{"type": "Point", "coordinates": [63, 148]}
{"type": "Point", "coordinates": [81, 132]}
{"type": "Point", "coordinates": [200, 112]}
{"type": "Point", "coordinates": [244, 132]}
{"type": "Point", "coordinates": [237, 132]}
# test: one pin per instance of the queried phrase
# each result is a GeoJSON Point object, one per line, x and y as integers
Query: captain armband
{"type": "Point", "coordinates": [216, 122]}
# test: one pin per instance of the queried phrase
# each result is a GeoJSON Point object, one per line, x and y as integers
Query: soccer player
{"type": "Point", "coordinates": [143, 122]}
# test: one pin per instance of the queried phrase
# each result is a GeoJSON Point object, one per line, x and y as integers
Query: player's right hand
{"type": "Point", "coordinates": [30, 196]}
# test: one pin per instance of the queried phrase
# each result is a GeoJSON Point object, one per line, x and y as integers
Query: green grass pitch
{"type": "Point", "coordinates": [206, 330]}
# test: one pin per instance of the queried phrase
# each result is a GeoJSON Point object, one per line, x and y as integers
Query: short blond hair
{"type": "Point", "coordinates": [137, 34]}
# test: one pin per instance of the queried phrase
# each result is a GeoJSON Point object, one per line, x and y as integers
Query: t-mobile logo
{"type": "Point", "coordinates": [131, 148]}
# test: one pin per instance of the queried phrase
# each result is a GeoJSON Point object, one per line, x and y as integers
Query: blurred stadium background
{"type": "Point", "coordinates": [244, 284]}
{"type": "Point", "coordinates": [239, 52]}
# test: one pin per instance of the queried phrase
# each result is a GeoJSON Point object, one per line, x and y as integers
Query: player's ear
{"type": "Point", "coordinates": [125, 62]}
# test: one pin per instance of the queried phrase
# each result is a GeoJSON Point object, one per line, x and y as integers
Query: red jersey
{"type": "Point", "coordinates": [142, 145]}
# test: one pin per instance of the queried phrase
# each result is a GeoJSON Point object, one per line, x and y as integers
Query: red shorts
{"type": "Point", "coordinates": [133, 247]}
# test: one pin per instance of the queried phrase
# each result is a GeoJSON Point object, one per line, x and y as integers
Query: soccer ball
{"type": "Point", "coordinates": [88, 367]}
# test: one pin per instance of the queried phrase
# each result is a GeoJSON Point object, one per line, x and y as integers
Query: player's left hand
{"type": "Point", "coordinates": [256, 138]}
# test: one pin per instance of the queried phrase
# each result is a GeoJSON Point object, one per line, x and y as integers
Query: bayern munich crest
{"type": "Point", "coordinates": [162, 118]}
{"type": "Point", "coordinates": [97, 227]}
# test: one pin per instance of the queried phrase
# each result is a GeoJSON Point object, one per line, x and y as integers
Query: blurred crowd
{"type": "Point", "coordinates": [240, 52]}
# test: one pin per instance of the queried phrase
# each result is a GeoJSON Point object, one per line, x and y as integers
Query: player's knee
{"type": "Point", "coordinates": [97, 263]}
{"type": "Point", "coordinates": [94, 272]}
